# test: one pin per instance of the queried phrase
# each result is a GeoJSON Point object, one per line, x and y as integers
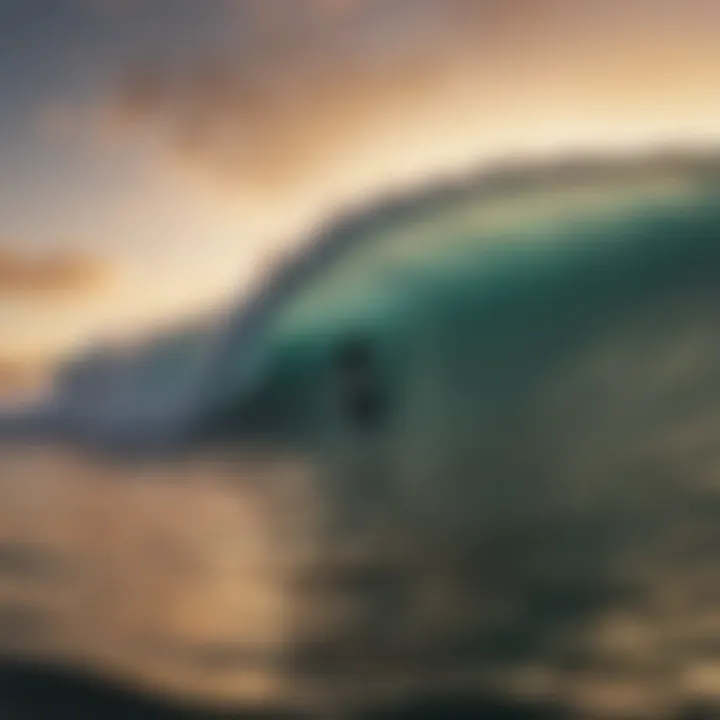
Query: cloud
{"type": "Point", "coordinates": [313, 84]}
{"type": "Point", "coordinates": [272, 120]}
{"type": "Point", "coordinates": [50, 276]}
{"type": "Point", "coordinates": [318, 90]}
{"type": "Point", "coordinates": [20, 375]}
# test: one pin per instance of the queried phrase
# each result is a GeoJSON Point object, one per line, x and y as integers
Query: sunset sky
{"type": "Point", "coordinates": [156, 154]}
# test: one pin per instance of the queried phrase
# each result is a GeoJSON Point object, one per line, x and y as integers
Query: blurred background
{"type": "Point", "coordinates": [157, 157]}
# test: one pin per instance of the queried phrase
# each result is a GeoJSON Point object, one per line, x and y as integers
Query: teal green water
{"type": "Point", "coordinates": [499, 284]}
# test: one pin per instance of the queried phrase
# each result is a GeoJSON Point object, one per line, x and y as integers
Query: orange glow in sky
{"type": "Point", "coordinates": [183, 144]}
